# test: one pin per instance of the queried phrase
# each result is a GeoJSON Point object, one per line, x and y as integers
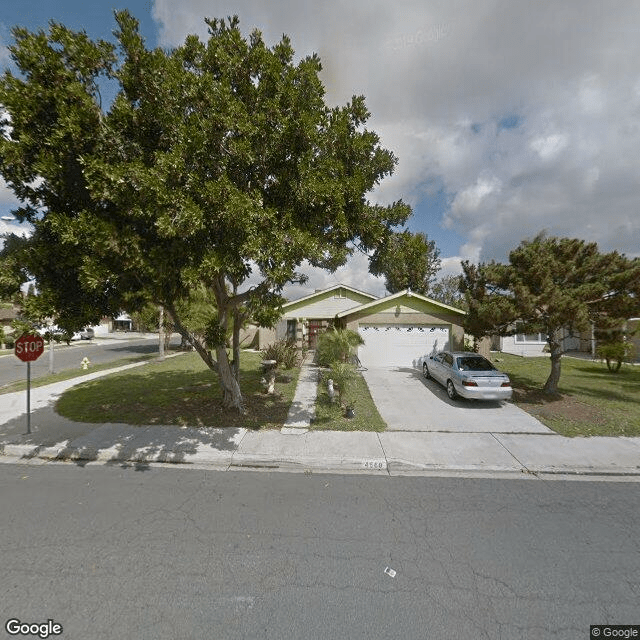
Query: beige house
{"type": "Point", "coordinates": [8, 313]}
{"type": "Point", "coordinates": [399, 330]}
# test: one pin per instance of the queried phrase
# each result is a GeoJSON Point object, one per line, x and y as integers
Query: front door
{"type": "Point", "coordinates": [315, 327]}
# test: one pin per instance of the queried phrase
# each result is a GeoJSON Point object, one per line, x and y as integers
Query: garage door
{"type": "Point", "coordinates": [397, 345]}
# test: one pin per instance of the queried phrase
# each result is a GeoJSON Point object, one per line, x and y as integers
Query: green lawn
{"type": "Point", "coordinates": [179, 391]}
{"type": "Point", "coordinates": [330, 416]}
{"type": "Point", "coordinates": [592, 401]}
{"type": "Point", "coordinates": [68, 374]}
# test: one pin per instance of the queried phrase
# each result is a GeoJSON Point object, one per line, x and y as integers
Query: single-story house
{"type": "Point", "coordinates": [398, 330]}
{"type": "Point", "coordinates": [535, 344]}
{"type": "Point", "coordinates": [8, 313]}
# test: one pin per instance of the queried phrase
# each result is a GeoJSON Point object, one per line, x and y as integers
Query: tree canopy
{"type": "Point", "coordinates": [551, 284]}
{"type": "Point", "coordinates": [407, 261]}
{"type": "Point", "coordinates": [447, 290]}
{"type": "Point", "coordinates": [217, 165]}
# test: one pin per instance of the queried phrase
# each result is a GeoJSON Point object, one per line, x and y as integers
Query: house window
{"type": "Point", "coordinates": [291, 330]}
{"type": "Point", "coordinates": [530, 337]}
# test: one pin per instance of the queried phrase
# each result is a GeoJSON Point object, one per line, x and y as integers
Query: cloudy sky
{"type": "Point", "coordinates": [507, 117]}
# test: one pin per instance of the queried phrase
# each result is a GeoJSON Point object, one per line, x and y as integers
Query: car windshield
{"type": "Point", "coordinates": [474, 363]}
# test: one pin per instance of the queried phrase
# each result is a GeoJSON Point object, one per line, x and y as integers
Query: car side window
{"type": "Point", "coordinates": [448, 360]}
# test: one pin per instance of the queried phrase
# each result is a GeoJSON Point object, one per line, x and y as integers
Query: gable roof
{"type": "Point", "coordinates": [322, 292]}
{"type": "Point", "coordinates": [407, 293]}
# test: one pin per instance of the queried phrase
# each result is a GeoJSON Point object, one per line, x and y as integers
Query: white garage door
{"type": "Point", "coordinates": [398, 345]}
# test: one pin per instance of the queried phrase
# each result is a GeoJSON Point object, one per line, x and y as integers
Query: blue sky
{"type": "Point", "coordinates": [508, 117]}
{"type": "Point", "coordinates": [93, 16]}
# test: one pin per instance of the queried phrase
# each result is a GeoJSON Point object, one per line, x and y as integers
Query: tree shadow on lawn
{"type": "Point", "coordinates": [150, 347]}
{"type": "Point", "coordinates": [180, 398]}
{"type": "Point", "coordinates": [559, 406]}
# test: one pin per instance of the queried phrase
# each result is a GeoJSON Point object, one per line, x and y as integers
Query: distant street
{"type": "Point", "coordinates": [69, 357]}
{"type": "Point", "coordinates": [128, 551]}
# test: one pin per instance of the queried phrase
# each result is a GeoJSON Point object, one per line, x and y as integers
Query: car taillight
{"type": "Point", "coordinates": [469, 383]}
{"type": "Point", "coordinates": [505, 384]}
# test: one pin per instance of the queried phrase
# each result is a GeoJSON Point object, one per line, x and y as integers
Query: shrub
{"type": "Point", "coordinates": [284, 352]}
{"type": "Point", "coordinates": [9, 341]}
{"type": "Point", "coordinates": [336, 345]}
{"type": "Point", "coordinates": [614, 353]}
{"type": "Point", "coordinates": [342, 375]}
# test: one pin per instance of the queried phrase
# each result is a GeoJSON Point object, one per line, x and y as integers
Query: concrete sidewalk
{"type": "Point", "coordinates": [296, 448]}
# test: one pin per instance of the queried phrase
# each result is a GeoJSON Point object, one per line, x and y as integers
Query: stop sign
{"type": "Point", "coordinates": [29, 347]}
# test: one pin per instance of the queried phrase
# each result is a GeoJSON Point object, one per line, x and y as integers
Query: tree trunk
{"type": "Point", "coordinates": [235, 345]}
{"type": "Point", "coordinates": [231, 394]}
{"type": "Point", "coordinates": [551, 385]}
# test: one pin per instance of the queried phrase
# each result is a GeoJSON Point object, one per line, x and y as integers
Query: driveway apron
{"type": "Point", "coordinates": [408, 402]}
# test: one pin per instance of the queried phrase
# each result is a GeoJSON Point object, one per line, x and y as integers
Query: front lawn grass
{"type": "Point", "coordinates": [68, 374]}
{"type": "Point", "coordinates": [180, 391]}
{"type": "Point", "coordinates": [331, 416]}
{"type": "Point", "coordinates": [591, 400]}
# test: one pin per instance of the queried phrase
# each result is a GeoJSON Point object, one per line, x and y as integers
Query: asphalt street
{"type": "Point", "coordinates": [127, 551]}
{"type": "Point", "coordinates": [99, 351]}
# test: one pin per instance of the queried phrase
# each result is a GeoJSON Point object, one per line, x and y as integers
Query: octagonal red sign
{"type": "Point", "coordinates": [29, 347]}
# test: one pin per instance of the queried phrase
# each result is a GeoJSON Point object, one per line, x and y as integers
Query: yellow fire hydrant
{"type": "Point", "coordinates": [85, 363]}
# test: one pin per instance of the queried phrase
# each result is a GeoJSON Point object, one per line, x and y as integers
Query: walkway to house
{"type": "Point", "coordinates": [303, 406]}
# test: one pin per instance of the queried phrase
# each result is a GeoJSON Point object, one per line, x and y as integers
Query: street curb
{"type": "Point", "coordinates": [232, 461]}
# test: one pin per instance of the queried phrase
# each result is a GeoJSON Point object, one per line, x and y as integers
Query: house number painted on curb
{"type": "Point", "coordinates": [375, 464]}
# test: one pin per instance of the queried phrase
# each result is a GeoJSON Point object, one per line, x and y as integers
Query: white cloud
{"type": "Point", "coordinates": [452, 266]}
{"type": "Point", "coordinates": [548, 147]}
{"type": "Point", "coordinates": [354, 274]}
{"type": "Point", "coordinates": [7, 197]}
{"type": "Point", "coordinates": [7, 228]}
{"type": "Point", "coordinates": [528, 115]}
{"type": "Point", "coordinates": [470, 199]}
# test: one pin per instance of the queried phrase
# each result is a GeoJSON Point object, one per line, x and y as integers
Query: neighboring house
{"type": "Point", "coordinates": [527, 344]}
{"type": "Point", "coordinates": [535, 344]}
{"type": "Point", "coordinates": [399, 330]}
{"type": "Point", "coordinates": [8, 314]}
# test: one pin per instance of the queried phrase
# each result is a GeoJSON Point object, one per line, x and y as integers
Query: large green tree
{"type": "Point", "coordinates": [551, 284]}
{"type": "Point", "coordinates": [447, 289]}
{"type": "Point", "coordinates": [407, 261]}
{"type": "Point", "coordinates": [217, 165]}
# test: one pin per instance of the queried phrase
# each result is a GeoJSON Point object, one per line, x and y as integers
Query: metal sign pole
{"type": "Point", "coordinates": [28, 397]}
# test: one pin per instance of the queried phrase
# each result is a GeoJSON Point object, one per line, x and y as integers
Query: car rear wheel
{"type": "Point", "coordinates": [451, 390]}
{"type": "Point", "coordinates": [425, 370]}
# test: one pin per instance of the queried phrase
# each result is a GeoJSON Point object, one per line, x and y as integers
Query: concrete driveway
{"type": "Point", "coordinates": [408, 402]}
